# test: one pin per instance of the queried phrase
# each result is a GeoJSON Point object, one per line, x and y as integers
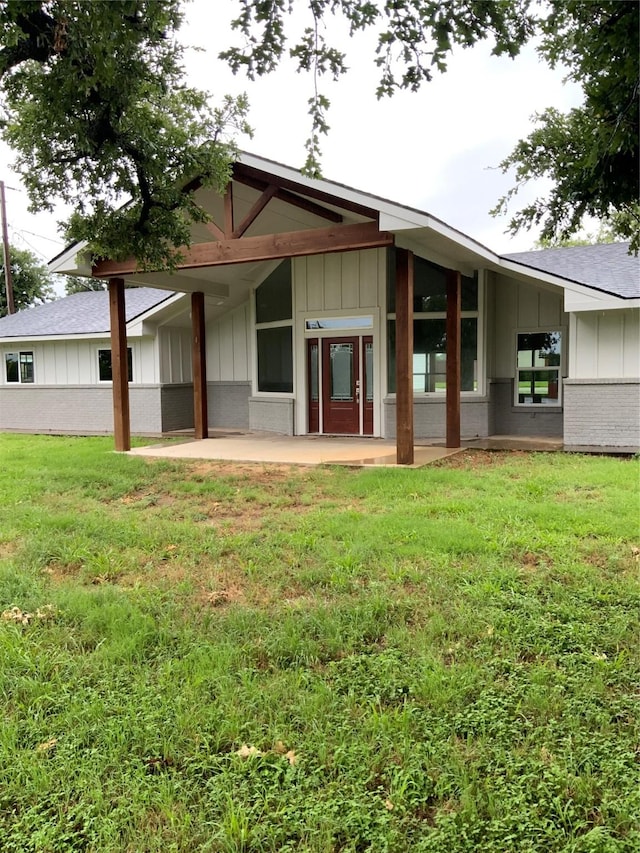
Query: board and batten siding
{"type": "Point", "coordinates": [517, 305]}
{"type": "Point", "coordinates": [228, 347]}
{"type": "Point", "coordinates": [341, 282]}
{"type": "Point", "coordinates": [75, 362]}
{"type": "Point", "coordinates": [605, 345]}
{"type": "Point", "coordinates": [514, 305]}
{"type": "Point", "coordinates": [174, 346]}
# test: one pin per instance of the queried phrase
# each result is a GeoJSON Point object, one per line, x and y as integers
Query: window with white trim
{"type": "Point", "coordinates": [538, 368]}
{"type": "Point", "coordinates": [105, 371]}
{"type": "Point", "coordinates": [19, 367]}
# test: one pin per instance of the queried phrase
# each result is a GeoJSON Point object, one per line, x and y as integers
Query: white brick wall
{"type": "Point", "coordinates": [602, 412]}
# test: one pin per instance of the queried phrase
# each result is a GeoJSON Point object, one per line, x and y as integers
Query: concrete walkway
{"type": "Point", "coordinates": [293, 450]}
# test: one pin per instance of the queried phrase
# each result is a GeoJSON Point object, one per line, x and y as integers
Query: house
{"type": "Point", "coordinates": [305, 306]}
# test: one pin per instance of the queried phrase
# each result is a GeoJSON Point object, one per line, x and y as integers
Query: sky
{"type": "Point", "coordinates": [436, 150]}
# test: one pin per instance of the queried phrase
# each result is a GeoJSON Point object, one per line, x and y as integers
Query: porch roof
{"type": "Point", "coordinates": [299, 204]}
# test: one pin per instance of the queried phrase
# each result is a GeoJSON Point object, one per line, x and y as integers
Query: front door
{"type": "Point", "coordinates": [341, 386]}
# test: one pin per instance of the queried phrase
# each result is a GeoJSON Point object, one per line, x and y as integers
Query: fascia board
{"type": "Point", "coordinates": [33, 339]}
{"type": "Point", "coordinates": [573, 304]}
{"type": "Point", "coordinates": [73, 261]}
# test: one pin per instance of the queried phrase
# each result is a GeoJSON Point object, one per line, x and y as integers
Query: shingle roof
{"type": "Point", "coordinates": [605, 266]}
{"type": "Point", "coordinates": [79, 314]}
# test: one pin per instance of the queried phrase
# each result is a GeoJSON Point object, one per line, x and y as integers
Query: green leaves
{"type": "Point", "coordinates": [100, 118]}
{"type": "Point", "coordinates": [590, 153]}
{"type": "Point", "coordinates": [31, 280]}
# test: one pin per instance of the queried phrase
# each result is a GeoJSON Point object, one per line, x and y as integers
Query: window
{"type": "Point", "coordinates": [19, 367]}
{"type": "Point", "coordinates": [105, 373]}
{"type": "Point", "coordinates": [275, 360]}
{"type": "Point", "coordinates": [429, 330]}
{"type": "Point", "coordinates": [274, 331]}
{"type": "Point", "coordinates": [538, 364]}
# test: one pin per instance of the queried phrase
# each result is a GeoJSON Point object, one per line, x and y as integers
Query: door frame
{"type": "Point", "coordinates": [316, 409]}
{"type": "Point", "coordinates": [305, 330]}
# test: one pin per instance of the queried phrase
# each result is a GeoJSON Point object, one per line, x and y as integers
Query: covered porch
{"type": "Point", "coordinates": [247, 226]}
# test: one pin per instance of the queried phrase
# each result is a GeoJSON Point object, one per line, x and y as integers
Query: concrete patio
{"type": "Point", "coordinates": [324, 450]}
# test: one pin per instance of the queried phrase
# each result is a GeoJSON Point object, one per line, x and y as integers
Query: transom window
{"type": "Point", "coordinates": [429, 330]}
{"type": "Point", "coordinates": [538, 363]}
{"type": "Point", "coordinates": [105, 371]}
{"type": "Point", "coordinates": [19, 367]}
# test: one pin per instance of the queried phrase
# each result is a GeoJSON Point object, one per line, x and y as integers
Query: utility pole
{"type": "Point", "coordinates": [11, 307]}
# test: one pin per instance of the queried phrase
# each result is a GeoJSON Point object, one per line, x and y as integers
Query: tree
{"type": "Point", "coordinates": [590, 154]}
{"type": "Point", "coordinates": [75, 284]}
{"type": "Point", "coordinates": [99, 113]}
{"type": "Point", "coordinates": [100, 117]}
{"type": "Point", "coordinates": [31, 280]}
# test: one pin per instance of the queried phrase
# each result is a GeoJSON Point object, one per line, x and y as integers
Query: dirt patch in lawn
{"type": "Point", "coordinates": [470, 459]}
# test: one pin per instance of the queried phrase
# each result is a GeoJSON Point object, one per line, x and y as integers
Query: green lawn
{"type": "Point", "coordinates": [208, 657]}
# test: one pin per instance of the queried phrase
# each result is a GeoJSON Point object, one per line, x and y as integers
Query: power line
{"type": "Point", "coordinates": [40, 236]}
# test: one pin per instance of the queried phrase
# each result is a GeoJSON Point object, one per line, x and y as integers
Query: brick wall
{"type": "Point", "coordinates": [507, 419]}
{"type": "Point", "coordinates": [176, 404]}
{"type": "Point", "coordinates": [602, 412]}
{"type": "Point", "coordinates": [76, 409]}
{"type": "Point", "coordinates": [429, 417]}
{"type": "Point", "coordinates": [271, 415]}
{"type": "Point", "coordinates": [228, 404]}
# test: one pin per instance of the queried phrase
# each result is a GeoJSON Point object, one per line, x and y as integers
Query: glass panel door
{"type": "Point", "coordinates": [341, 385]}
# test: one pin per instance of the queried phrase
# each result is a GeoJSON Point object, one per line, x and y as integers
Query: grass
{"type": "Point", "coordinates": [212, 657]}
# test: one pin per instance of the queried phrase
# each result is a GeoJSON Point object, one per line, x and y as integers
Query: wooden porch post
{"type": "Point", "coordinates": [119, 365]}
{"type": "Point", "coordinates": [454, 300]}
{"type": "Point", "coordinates": [404, 357]}
{"type": "Point", "coordinates": [199, 366]}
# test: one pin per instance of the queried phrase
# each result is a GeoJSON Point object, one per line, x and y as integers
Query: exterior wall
{"type": "Point", "coordinates": [346, 284]}
{"type": "Point", "coordinates": [430, 418]}
{"type": "Point", "coordinates": [229, 347]}
{"type": "Point", "coordinates": [271, 414]}
{"type": "Point", "coordinates": [507, 419]}
{"type": "Point", "coordinates": [513, 305]}
{"type": "Point", "coordinates": [75, 362]}
{"type": "Point", "coordinates": [77, 409]}
{"type": "Point", "coordinates": [602, 412]}
{"type": "Point", "coordinates": [176, 406]}
{"type": "Point", "coordinates": [605, 345]}
{"type": "Point", "coordinates": [602, 393]}
{"type": "Point", "coordinates": [174, 349]}
{"type": "Point", "coordinates": [340, 282]}
{"type": "Point", "coordinates": [228, 404]}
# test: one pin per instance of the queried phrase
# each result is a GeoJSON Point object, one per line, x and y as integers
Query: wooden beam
{"type": "Point", "coordinates": [404, 357]}
{"type": "Point", "coordinates": [119, 366]}
{"type": "Point", "coordinates": [228, 211]}
{"type": "Point", "coordinates": [291, 244]}
{"type": "Point", "coordinates": [199, 367]}
{"type": "Point", "coordinates": [212, 228]}
{"type": "Point", "coordinates": [255, 211]}
{"type": "Point", "coordinates": [293, 199]}
{"type": "Point", "coordinates": [454, 302]}
{"type": "Point", "coordinates": [242, 172]}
